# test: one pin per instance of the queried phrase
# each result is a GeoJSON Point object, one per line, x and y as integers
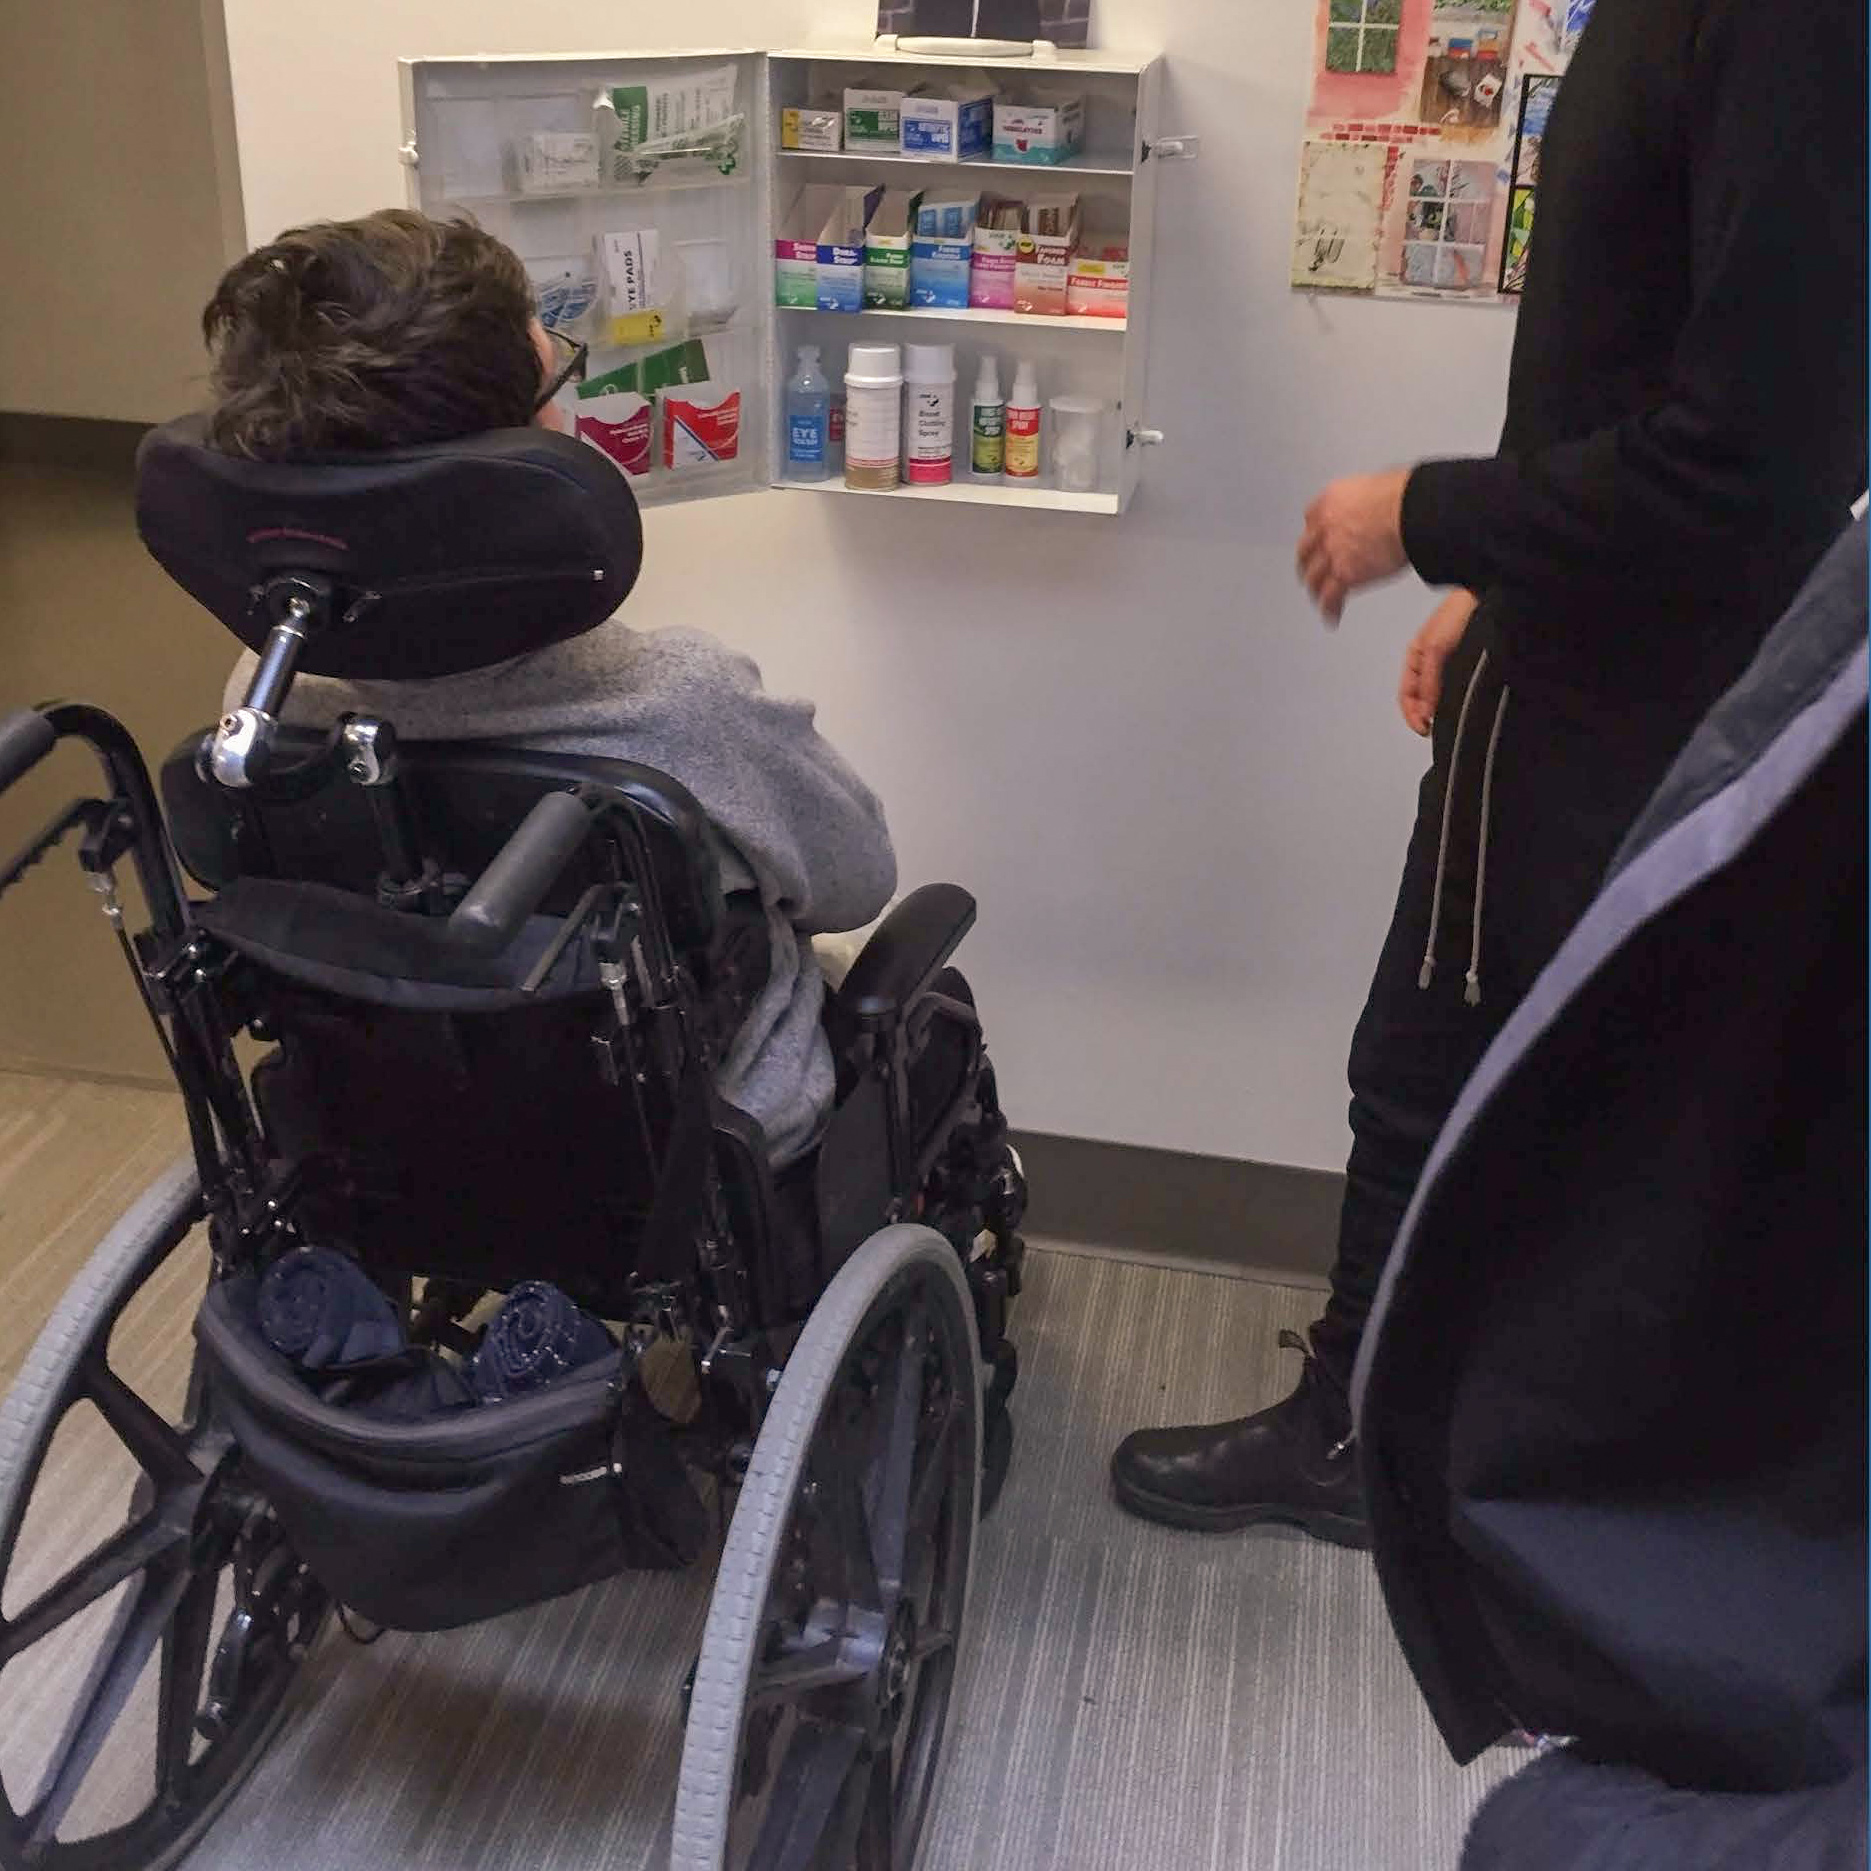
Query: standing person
{"type": "Point", "coordinates": [1685, 434]}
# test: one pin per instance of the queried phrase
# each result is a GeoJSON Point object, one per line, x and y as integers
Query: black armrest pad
{"type": "Point", "coordinates": [26, 737]}
{"type": "Point", "coordinates": [905, 954]}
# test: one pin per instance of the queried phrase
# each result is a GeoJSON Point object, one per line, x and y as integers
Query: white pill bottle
{"type": "Point", "coordinates": [874, 416]}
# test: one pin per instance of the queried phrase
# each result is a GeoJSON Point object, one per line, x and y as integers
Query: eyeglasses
{"type": "Point", "coordinates": [571, 367]}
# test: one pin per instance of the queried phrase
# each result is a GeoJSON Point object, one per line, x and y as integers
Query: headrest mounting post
{"type": "Point", "coordinates": [243, 743]}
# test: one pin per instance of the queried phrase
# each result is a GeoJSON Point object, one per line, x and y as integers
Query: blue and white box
{"type": "Point", "coordinates": [947, 217]}
{"type": "Point", "coordinates": [939, 273]}
{"type": "Point", "coordinates": [841, 250]}
{"type": "Point", "coordinates": [952, 126]}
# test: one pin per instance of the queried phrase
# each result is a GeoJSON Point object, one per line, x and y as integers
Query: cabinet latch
{"type": "Point", "coordinates": [1173, 149]}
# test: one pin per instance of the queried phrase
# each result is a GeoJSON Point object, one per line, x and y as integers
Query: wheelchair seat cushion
{"type": "Point", "coordinates": [444, 558]}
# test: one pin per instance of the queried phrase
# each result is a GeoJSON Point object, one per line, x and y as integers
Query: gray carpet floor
{"type": "Point", "coordinates": [1131, 1697]}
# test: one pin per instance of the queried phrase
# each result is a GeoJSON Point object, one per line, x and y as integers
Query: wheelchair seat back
{"type": "Point", "coordinates": [445, 1120]}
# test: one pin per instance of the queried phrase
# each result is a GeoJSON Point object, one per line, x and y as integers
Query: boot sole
{"type": "Point", "coordinates": [1336, 1529]}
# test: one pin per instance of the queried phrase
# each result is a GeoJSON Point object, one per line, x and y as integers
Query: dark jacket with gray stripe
{"type": "Point", "coordinates": [1613, 1400]}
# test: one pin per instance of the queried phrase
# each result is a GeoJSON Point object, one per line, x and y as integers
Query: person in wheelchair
{"type": "Point", "coordinates": [396, 331]}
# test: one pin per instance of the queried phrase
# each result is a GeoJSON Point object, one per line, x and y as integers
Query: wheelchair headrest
{"type": "Point", "coordinates": [443, 558]}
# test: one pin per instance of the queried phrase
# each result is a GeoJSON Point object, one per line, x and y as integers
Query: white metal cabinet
{"type": "Point", "coordinates": [461, 116]}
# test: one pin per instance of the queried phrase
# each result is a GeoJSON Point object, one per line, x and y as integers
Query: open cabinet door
{"type": "Point", "coordinates": [635, 189]}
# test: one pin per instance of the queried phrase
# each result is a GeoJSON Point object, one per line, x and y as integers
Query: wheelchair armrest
{"type": "Point", "coordinates": [909, 949]}
{"type": "Point", "coordinates": [26, 737]}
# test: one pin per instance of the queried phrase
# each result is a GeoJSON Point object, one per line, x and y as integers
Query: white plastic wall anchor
{"type": "Point", "coordinates": [1174, 149]}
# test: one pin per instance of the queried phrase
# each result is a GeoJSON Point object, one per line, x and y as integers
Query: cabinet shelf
{"type": "Point", "coordinates": [970, 315]}
{"type": "Point", "coordinates": [609, 191]}
{"type": "Point", "coordinates": [1106, 163]}
{"type": "Point", "coordinates": [971, 493]}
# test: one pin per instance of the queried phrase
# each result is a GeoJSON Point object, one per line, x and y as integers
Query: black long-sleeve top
{"type": "Point", "coordinates": [1686, 411]}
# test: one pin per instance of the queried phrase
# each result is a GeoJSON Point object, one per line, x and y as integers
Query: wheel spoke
{"type": "Point", "coordinates": [876, 1841]}
{"type": "Point", "coordinates": [137, 1546]}
{"type": "Point", "coordinates": [184, 1660]}
{"type": "Point", "coordinates": [932, 1483]}
{"type": "Point", "coordinates": [134, 1633]}
{"type": "Point", "coordinates": [159, 1450]}
{"type": "Point", "coordinates": [806, 1798]}
{"type": "Point", "coordinates": [794, 1672]}
{"type": "Point", "coordinates": [887, 1486]}
{"type": "Point", "coordinates": [841, 1533]}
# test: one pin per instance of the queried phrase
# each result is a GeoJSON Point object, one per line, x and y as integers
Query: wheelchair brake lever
{"type": "Point", "coordinates": [582, 912]}
{"type": "Point", "coordinates": [93, 814]}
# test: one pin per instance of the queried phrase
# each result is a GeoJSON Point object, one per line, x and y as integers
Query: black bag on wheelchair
{"type": "Point", "coordinates": [430, 1524]}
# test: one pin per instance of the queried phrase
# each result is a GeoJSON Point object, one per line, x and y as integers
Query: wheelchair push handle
{"type": "Point", "coordinates": [515, 883]}
{"type": "Point", "coordinates": [26, 737]}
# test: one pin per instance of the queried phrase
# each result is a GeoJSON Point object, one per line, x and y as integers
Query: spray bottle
{"type": "Point", "coordinates": [1023, 419]}
{"type": "Point", "coordinates": [988, 422]}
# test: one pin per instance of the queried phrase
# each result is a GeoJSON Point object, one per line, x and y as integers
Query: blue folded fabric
{"type": "Point", "coordinates": [323, 1311]}
{"type": "Point", "coordinates": [536, 1336]}
{"type": "Point", "coordinates": [414, 1389]}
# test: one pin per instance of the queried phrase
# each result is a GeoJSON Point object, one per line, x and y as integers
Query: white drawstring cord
{"type": "Point", "coordinates": [1448, 811]}
{"type": "Point", "coordinates": [1481, 855]}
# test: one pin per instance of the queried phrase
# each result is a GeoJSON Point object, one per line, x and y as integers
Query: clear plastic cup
{"type": "Point", "coordinates": [1077, 443]}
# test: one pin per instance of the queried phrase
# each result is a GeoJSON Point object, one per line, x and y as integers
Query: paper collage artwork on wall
{"type": "Point", "coordinates": [1341, 191]}
{"type": "Point", "coordinates": [1420, 167]}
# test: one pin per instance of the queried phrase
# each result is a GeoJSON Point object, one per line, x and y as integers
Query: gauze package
{"type": "Point", "coordinates": [549, 162]}
{"type": "Point", "coordinates": [566, 292]}
{"type": "Point", "coordinates": [686, 118]}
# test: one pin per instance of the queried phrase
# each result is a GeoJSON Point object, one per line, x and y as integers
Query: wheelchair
{"type": "Point", "coordinates": [454, 1012]}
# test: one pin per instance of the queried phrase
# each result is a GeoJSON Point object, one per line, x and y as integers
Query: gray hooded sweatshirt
{"type": "Point", "coordinates": [796, 822]}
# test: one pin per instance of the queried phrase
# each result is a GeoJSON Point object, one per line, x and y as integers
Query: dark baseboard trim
{"type": "Point", "coordinates": [1268, 1220]}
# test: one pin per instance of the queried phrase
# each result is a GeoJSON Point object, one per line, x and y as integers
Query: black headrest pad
{"type": "Point", "coordinates": [446, 557]}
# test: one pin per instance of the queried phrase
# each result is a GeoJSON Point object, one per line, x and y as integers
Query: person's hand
{"type": "Point", "coordinates": [1420, 692]}
{"type": "Point", "coordinates": [1353, 538]}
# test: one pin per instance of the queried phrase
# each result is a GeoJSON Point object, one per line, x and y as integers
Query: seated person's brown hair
{"type": "Point", "coordinates": [385, 332]}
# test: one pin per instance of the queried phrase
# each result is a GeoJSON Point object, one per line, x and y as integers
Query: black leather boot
{"type": "Point", "coordinates": [1295, 1463]}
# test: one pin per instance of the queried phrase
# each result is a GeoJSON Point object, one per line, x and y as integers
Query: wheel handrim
{"type": "Point", "coordinates": [848, 1699]}
{"type": "Point", "coordinates": [191, 1523]}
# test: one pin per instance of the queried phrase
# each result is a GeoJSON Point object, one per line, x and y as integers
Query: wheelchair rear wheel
{"type": "Point", "coordinates": [152, 1616]}
{"type": "Point", "coordinates": [822, 1690]}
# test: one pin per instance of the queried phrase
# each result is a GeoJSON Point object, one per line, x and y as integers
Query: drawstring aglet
{"type": "Point", "coordinates": [1473, 996]}
{"type": "Point", "coordinates": [1428, 975]}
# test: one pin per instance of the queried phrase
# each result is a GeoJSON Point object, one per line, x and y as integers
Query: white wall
{"type": "Point", "coordinates": [1181, 803]}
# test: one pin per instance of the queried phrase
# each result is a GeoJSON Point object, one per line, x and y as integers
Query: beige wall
{"type": "Point", "coordinates": [116, 137]}
{"type": "Point", "coordinates": [84, 615]}
{"type": "Point", "coordinates": [116, 140]}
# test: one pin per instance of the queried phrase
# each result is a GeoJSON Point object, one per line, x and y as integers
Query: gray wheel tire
{"type": "Point", "coordinates": [105, 1284]}
{"type": "Point", "coordinates": [711, 1746]}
